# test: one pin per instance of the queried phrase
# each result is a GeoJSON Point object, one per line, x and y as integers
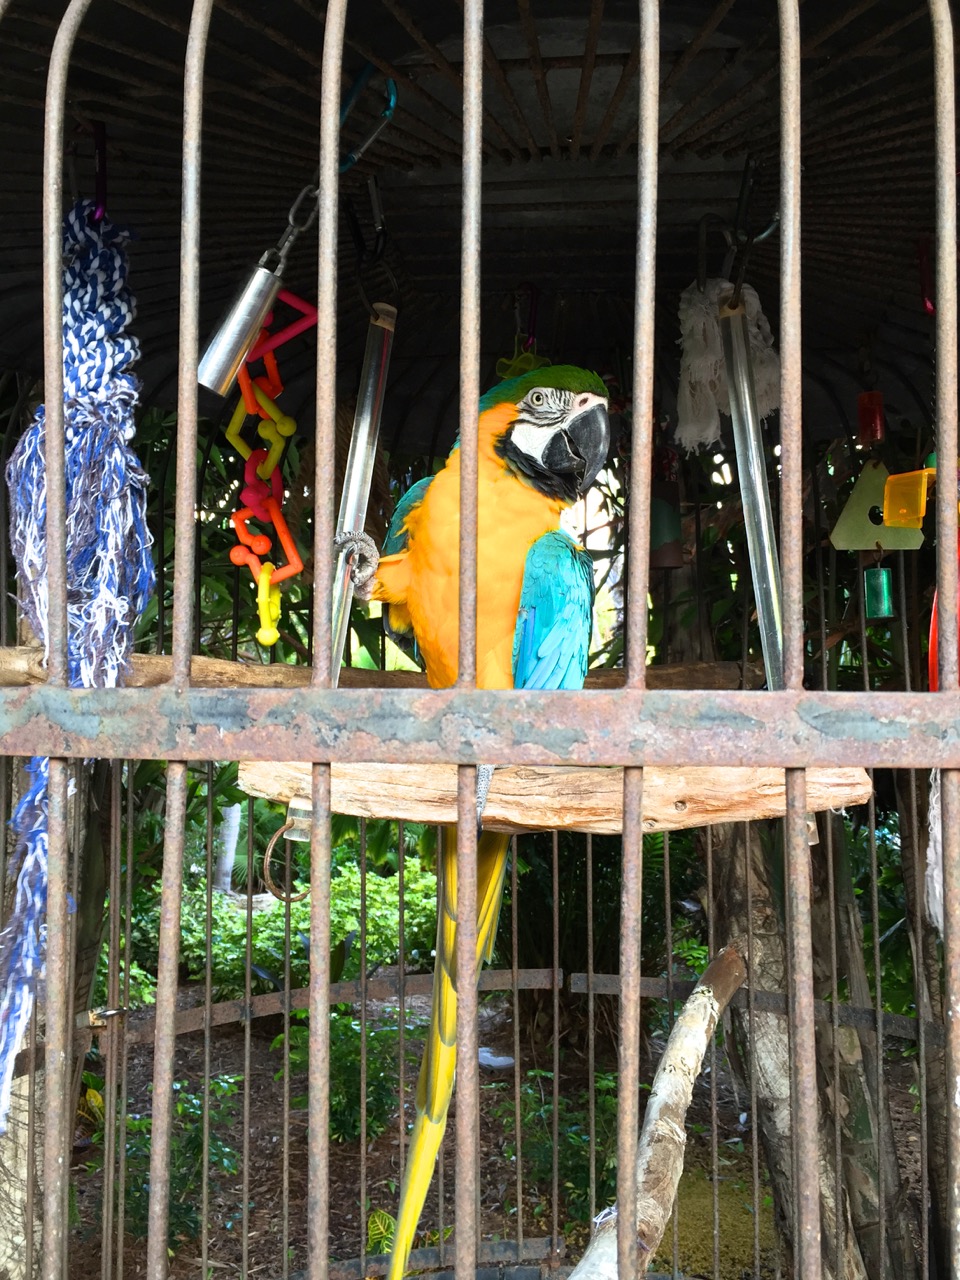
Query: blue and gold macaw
{"type": "Point", "coordinates": [543, 438]}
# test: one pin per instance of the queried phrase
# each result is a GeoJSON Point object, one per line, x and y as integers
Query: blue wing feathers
{"type": "Point", "coordinates": [552, 638]}
{"type": "Point", "coordinates": [396, 539]}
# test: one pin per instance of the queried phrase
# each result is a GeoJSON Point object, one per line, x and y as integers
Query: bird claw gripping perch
{"type": "Point", "coordinates": [366, 558]}
{"type": "Point", "coordinates": [484, 778]}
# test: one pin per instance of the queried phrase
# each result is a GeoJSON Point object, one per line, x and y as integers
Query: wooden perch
{"type": "Point", "coordinates": [523, 798]}
{"type": "Point", "coordinates": [23, 665]}
{"type": "Point", "coordinates": [663, 1135]}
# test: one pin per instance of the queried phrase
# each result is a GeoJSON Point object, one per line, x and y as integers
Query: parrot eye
{"type": "Point", "coordinates": [536, 399]}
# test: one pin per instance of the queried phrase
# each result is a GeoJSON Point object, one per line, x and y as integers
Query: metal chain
{"type": "Point", "coordinates": [308, 197]}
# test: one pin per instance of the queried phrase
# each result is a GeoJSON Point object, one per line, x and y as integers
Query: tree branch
{"type": "Point", "coordinates": [663, 1135]}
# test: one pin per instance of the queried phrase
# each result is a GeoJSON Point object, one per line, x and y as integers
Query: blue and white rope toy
{"type": "Point", "coordinates": [110, 574]}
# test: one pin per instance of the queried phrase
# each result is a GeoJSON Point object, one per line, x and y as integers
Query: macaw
{"type": "Point", "coordinates": [543, 439]}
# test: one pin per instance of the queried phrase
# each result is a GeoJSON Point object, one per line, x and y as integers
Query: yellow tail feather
{"type": "Point", "coordinates": [435, 1084]}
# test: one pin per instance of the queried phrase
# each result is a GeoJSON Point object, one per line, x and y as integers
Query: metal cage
{"type": "Point", "coordinates": [634, 726]}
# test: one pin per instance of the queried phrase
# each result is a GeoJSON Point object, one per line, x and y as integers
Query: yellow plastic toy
{"type": "Point", "coordinates": [905, 498]}
{"type": "Point", "coordinates": [268, 607]}
{"type": "Point", "coordinates": [276, 428]}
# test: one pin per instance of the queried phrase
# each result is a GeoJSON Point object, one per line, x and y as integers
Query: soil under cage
{"type": "Point", "coordinates": [687, 271]}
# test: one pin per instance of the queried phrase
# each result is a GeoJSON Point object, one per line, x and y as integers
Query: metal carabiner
{"type": "Point", "coordinates": [351, 158]}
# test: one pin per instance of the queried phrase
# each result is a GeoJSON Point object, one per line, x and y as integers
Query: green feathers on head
{"type": "Point", "coordinates": [565, 377]}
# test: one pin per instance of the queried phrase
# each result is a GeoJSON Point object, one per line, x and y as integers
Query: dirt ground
{"type": "Point", "coordinates": [274, 1156]}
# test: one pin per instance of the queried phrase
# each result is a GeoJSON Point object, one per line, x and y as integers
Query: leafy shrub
{"type": "Point", "coordinates": [383, 1077]}
{"type": "Point", "coordinates": [268, 932]}
{"type": "Point", "coordinates": [573, 1148]}
{"type": "Point", "coordinates": [186, 1157]}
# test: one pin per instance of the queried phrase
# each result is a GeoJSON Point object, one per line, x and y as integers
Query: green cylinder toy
{"type": "Point", "coordinates": [878, 592]}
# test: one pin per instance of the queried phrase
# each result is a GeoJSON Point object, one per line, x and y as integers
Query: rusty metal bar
{"type": "Point", "coordinates": [804, 1098]}
{"type": "Point", "coordinates": [56, 523]}
{"type": "Point", "coordinates": [791, 372]}
{"type": "Point", "coordinates": [696, 44]}
{"type": "Point", "coordinates": [59, 951]}
{"type": "Point", "coordinates": [515, 1003]}
{"type": "Point", "coordinates": [617, 97]}
{"type": "Point", "coordinates": [609, 727]}
{"type": "Point", "coordinates": [946, 339]}
{"type": "Point", "coordinates": [318, 1154]}
{"type": "Point", "coordinates": [165, 1038]}
{"type": "Point", "coordinates": [946, 408]}
{"type": "Point", "coordinates": [327, 222]}
{"type": "Point", "coordinates": [470, 336]}
{"type": "Point", "coordinates": [629, 1263]}
{"type": "Point", "coordinates": [59, 1053]}
{"type": "Point", "coordinates": [586, 75]}
{"type": "Point", "coordinates": [536, 64]}
{"type": "Point", "coordinates": [643, 347]}
{"type": "Point", "coordinates": [186, 463]}
{"type": "Point", "coordinates": [468, 1082]}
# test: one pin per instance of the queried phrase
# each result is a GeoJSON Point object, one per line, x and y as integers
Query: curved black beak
{"type": "Point", "coordinates": [589, 436]}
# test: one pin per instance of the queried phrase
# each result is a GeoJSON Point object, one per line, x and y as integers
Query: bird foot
{"type": "Point", "coordinates": [366, 558]}
{"type": "Point", "coordinates": [484, 778]}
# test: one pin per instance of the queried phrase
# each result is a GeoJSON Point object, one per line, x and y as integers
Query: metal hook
{"type": "Point", "coordinates": [705, 222]}
{"type": "Point", "coordinates": [390, 91]}
{"type": "Point", "coordinates": [267, 878]}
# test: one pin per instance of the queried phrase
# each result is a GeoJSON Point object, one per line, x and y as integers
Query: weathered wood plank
{"type": "Point", "coordinates": [535, 799]}
{"type": "Point", "coordinates": [23, 665]}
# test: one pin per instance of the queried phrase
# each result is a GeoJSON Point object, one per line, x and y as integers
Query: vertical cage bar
{"type": "Point", "coordinates": [791, 493]}
{"type": "Point", "coordinates": [56, 523]}
{"type": "Point", "coordinates": [555, 1014]}
{"type": "Point", "coordinates": [468, 1076]}
{"type": "Point", "coordinates": [946, 428]}
{"type": "Point", "coordinates": [58, 953]}
{"type": "Point", "coordinates": [207, 1030]}
{"type": "Point", "coordinates": [805, 1102]}
{"type": "Point", "coordinates": [247, 1046]}
{"type": "Point", "coordinates": [186, 464]}
{"type": "Point", "coordinates": [641, 451]}
{"type": "Point", "coordinates": [318, 1116]}
{"type": "Point", "coordinates": [111, 1041]}
{"type": "Point", "coordinates": [57, 1037]}
{"type": "Point", "coordinates": [363, 1039]}
{"type": "Point", "coordinates": [591, 1032]}
{"type": "Point", "coordinates": [946, 338]}
{"type": "Point", "coordinates": [470, 334]}
{"type": "Point", "coordinates": [628, 1089]}
{"type": "Point", "coordinates": [164, 1043]}
{"type": "Point", "coordinates": [328, 184]}
{"type": "Point", "coordinates": [515, 995]}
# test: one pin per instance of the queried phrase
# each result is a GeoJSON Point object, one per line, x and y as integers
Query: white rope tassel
{"type": "Point", "coordinates": [702, 395]}
{"type": "Point", "coordinates": [934, 877]}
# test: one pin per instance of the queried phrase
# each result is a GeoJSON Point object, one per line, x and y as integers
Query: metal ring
{"type": "Point", "coordinates": [267, 878]}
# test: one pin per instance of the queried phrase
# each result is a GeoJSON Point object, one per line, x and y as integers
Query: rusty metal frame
{"type": "Point", "coordinates": [632, 727]}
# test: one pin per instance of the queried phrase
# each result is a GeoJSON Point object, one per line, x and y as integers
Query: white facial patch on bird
{"type": "Point", "coordinates": [541, 412]}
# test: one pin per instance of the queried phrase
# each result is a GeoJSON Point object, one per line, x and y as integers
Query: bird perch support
{"type": "Point", "coordinates": [663, 1136]}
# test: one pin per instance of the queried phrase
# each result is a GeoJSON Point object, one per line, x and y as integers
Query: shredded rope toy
{"type": "Point", "coordinates": [110, 575]}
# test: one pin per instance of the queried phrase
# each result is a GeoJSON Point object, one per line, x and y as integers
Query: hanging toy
{"type": "Point", "coordinates": [109, 566]}
{"type": "Point", "coordinates": [870, 420]}
{"type": "Point", "coordinates": [237, 332]}
{"type": "Point", "coordinates": [524, 358]}
{"type": "Point", "coordinates": [268, 607]}
{"type": "Point", "coordinates": [878, 592]}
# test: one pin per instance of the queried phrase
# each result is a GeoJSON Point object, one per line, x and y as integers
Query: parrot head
{"type": "Point", "coordinates": [557, 432]}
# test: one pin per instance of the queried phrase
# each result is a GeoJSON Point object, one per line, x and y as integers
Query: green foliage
{"type": "Point", "coordinates": [381, 1228]}
{"type": "Point", "coordinates": [268, 936]}
{"type": "Point", "coordinates": [186, 1156]}
{"type": "Point", "coordinates": [896, 958]}
{"type": "Point", "coordinates": [573, 1132]}
{"type": "Point", "coordinates": [382, 1057]}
